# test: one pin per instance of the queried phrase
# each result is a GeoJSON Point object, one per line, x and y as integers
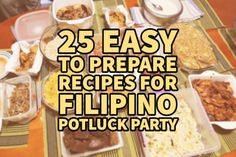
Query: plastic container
{"type": "Point", "coordinates": [66, 153]}
{"type": "Point", "coordinates": [209, 137]}
{"type": "Point", "coordinates": [8, 89]}
{"type": "Point", "coordinates": [83, 23]}
{"type": "Point", "coordinates": [29, 27]}
{"type": "Point", "coordinates": [212, 75]}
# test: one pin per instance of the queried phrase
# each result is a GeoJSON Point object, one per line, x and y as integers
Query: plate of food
{"type": "Point", "coordinates": [25, 58]}
{"type": "Point", "coordinates": [87, 143]}
{"type": "Point", "coordinates": [50, 42]}
{"type": "Point", "coordinates": [195, 52]}
{"type": "Point", "coordinates": [194, 134]}
{"type": "Point", "coordinates": [19, 99]}
{"type": "Point", "coordinates": [4, 57]}
{"type": "Point", "coordinates": [74, 12]}
{"type": "Point", "coordinates": [218, 95]}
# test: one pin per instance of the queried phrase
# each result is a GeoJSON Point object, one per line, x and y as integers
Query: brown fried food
{"type": "Point", "coordinates": [27, 60]}
{"type": "Point", "coordinates": [218, 99]}
{"type": "Point", "coordinates": [74, 12]}
{"type": "Point", "coordinates": [19, 100]}
{"type": "Point", "coordinates": [117, 17]}
{"type": "Point", "coordinates": [82, 141]}
{"type": "Point", "coordinates": [193, 49]}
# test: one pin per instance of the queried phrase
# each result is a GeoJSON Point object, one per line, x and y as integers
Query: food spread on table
{"type": "Point", "coordinates": [218, 99]}
{"type": "Point", "coordinates": [73, 12]}
{"type": "Point", "coordinates": [195, 54]}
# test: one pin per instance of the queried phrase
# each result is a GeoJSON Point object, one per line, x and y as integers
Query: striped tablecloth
{"type": "Point", "coordinates": [40, 137]}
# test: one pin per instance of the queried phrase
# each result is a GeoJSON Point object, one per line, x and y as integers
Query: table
{"type": "Point", "coordinates": [39, 136]}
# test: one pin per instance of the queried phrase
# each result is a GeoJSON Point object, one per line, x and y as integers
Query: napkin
{"type": "Point", "coordinates": [190, 12]}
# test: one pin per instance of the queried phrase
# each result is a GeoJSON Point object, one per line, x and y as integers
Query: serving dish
{"type": "Point", "coordinates": [82, 23]}
{"type": "Point", "coordinates": [50, 91]}
{"type": "Point", "coordinates": [212, 75]}
{"type": "Point", "coordinates": [117, 17]}
{"type": "Point", "coordinates": [9, 87]}
{"type": "Point", "coordinates": [208, 136]}
{"type": "Point", "coordinates": [162, 13]}
{"type": "Point", "coordinates": [4, 57]}
{"type": "Point", "coordinates": [50, 42]}
{"type": "Point", "coordinates": [30, 26]}
{"type": "Point", "coordinates": [193, 49]}
{"type": "Point", "coordinates": [15, 59]}
{"type": "Point", "coordinates": [66, 153]}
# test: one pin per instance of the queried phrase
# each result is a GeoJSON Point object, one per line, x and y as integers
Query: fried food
{"type": "Point", "coordinates": [117, 17]}
{"type": "Point", "coordinates": [83, 141]}
{"type": "Point", "coordinates": [74, 12]}
{"type": "Point", "coordinates": [27, 59]}
{"type": "Point", "coordinates": [218, 99]}
{"type": "Point", "coordinates": [193, 49]}
{"type": "Point", "coordinates": [19, 100]}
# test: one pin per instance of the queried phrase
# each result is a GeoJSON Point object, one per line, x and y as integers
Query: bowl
{"type": "Point", "coordinates": [83, 23]}
{"type": "Point", "coordinates": [29, 27]}
{"type": "Point", "coordinates": [164, 13]}
{"type": "Point", "coordinates": [4, 58]}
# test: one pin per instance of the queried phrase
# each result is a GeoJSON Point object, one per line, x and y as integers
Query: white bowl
{"type": "Point", "coordinates": [168, 12]}
{"type": "Point", "coordinates": [6, 56]}
{"type": "Point", "coordinates": [83, 23]}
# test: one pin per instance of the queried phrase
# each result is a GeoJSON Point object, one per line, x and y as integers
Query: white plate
{"type": "Point", "coordinates": [6, 55]}
{"type": "Point", "coordinates": [212, 75]}
{"type": "Point", "coordinates": [66, 153]}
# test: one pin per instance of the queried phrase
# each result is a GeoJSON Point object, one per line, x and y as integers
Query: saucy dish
{"type": "Point", "coordinates": [83, 141]}
{"type": "Point", "coordinates": [193, 49]}
{"type": "Point", "coordinates": [117, 18]}
{"type": "Point", "coordinates": [27, 59]}
{"type": "Point", "coordinates": [186, 139]}
{"type": "Point", "coordinates": [74, 12]}
{"type": "Point", "coordinates": [19, 100]}
{"type": "Point", "coordinates": [218, 99]}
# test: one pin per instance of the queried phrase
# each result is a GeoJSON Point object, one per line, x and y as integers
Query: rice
{"type": "Point", "coordinates": [185, 140]}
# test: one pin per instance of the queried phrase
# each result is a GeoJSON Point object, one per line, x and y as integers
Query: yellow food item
{"type": "Point", "coordinates": [193, 49]}
{"type": "Point", "coordinates": [51, 92]}
{"type": "Point", "coordinates": [50, 89]}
